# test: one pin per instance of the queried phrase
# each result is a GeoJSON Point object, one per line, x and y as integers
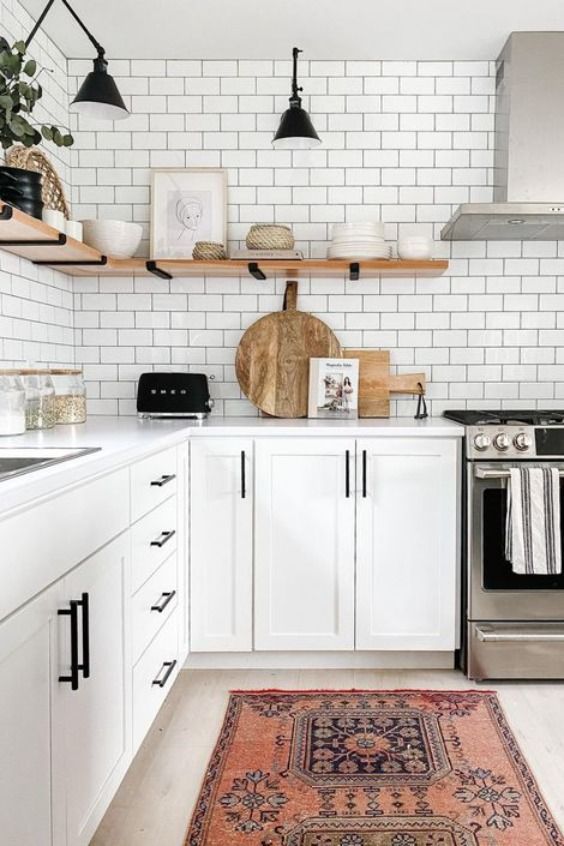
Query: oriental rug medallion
{"type": "Point", "coordinates": [359, 768]}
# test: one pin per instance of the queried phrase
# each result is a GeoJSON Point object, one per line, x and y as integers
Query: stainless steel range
{"type": "Point", "coordinates": [513, 625]}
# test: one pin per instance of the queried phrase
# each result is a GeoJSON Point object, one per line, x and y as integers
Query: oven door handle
{"type": "Point", "coordinates": [487, 473]}
{"type": "Point", "coordinates": [491, 636]}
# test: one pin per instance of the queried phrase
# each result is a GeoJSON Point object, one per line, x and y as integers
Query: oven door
{"type": "Point", "coordinates": [495, 592]}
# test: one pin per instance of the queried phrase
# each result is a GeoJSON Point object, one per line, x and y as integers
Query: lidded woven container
{"type": "Point", "coordinates": [269, 236]}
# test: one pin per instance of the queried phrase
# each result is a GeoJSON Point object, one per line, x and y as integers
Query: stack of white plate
{"type": "Point", "coordinates": [357, 241]}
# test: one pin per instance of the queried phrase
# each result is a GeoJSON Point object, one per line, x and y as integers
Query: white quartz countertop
{"type": "Point", "coordinates": [123, 440]}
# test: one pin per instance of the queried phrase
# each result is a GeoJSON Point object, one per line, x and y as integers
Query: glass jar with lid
{"type": "Point", "coordinates": [12, 403]}
{"type": "Point", "coordinates": [70, 396]}
{"type": "Point", "coordinates": [39, 399]}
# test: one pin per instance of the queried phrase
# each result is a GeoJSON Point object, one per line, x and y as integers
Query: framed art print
{"type": "Point", "coordinates": [187, 205]}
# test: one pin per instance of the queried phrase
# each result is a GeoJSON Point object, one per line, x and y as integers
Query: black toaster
{"type": "Point", "coordinates": [173, 395]}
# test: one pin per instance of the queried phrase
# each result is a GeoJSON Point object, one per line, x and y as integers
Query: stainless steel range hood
{"type": "Point", "coordinates": [528, 189]}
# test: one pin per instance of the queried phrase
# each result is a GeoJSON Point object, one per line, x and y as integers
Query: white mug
{"type": "Point", "coordinates": [54, 218]}
{"type": "Point", "coordinates": [73, 228]}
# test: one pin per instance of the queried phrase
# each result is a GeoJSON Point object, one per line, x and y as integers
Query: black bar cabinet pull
{"type": "Point", "coordinates": [170, 665]}
{"type": "Point", "coordinates": [243, 475]}
{"type": "Point", "coordinates": [72, 612]}
{"type": "Point", "coordinates": [347, 474]}
{"type": "Point", "coordinates": [163, 538]}
{"type": "Point", "coordinates": [164, 480]}
{"type": "Point", "coordinates": [85, 666]}
{"type": "Point", "coordinates": [364, 474]}
{"type": "Point", "coordinates": [160, 606]}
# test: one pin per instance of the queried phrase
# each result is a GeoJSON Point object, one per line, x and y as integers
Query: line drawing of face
{"type": "Point", "coordinates": [189, 214]}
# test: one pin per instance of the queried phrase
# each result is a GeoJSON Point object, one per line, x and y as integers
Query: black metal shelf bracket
{"type": "Point", "coordinates": [354, 271]}
{"type": "Point", "coordinates": [75, 262]}
{"type": "Point", "coordinates": [255, 271]}
{"type": "Point", "coordinates": [60, 241]}
{"type": "Point", "coordinates": [6, 213]}
{"type": "Point", "coordinates": [157, 271]}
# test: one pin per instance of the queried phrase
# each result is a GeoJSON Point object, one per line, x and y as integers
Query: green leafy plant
{"type": "Point", "coordinates": [19, 94]}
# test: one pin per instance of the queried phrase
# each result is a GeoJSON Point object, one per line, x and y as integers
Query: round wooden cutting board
{"type": "Point", "coordinates": [272, 362]}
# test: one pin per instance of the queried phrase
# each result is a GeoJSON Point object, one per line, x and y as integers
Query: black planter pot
{"type": "Point", "coordinates": [22, 189]}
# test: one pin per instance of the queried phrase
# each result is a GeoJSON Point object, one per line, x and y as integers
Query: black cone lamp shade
{"type": "Point", "coordinates": [296, 131]}
{"type": "Point", "coordinates": [98, 96]}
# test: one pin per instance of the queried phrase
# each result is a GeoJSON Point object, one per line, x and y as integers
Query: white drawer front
{"type": "Point", "coordinates": [152, 481]}
{"type": "Point", "coordinates": [153, 604]}
{"type": "Point", "coordinates": [153, 676]}
{"type": "Point", "coordinates": [153, 540]}
{"type": "Point", "coordinates": [42, 543]}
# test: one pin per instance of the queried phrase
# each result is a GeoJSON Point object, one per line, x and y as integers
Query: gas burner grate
{"type": "Point", "coordinates": [536, 417]}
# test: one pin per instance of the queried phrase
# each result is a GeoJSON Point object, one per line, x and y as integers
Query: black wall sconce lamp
{"type": "Point", "coordinates": [296, 131]}
{"type": "Point", "coordinates": [98, 96]}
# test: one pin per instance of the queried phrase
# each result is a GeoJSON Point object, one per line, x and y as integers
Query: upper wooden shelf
{"type": "Point", "coordinates": [26, 236]}
{"type": "Point", "coordinates": [31, 238]}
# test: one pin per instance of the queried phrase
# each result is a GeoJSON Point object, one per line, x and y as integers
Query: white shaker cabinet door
{"type": "Point", "coordinates": [31, 802]}
{"type": "Point", "coordinates": [221, 545]}
{"type": "Point", "coordinates": [304, 544]}
{"type": "Point", "coordinates": [407, 550]}
{"type": "Point", "coordinates": [96, 720]}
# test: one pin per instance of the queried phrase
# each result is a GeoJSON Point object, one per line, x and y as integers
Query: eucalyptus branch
{"type": "Point", "coordinates": [18, 97]}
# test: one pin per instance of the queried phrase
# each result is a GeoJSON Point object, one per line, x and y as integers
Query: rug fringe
{"type": "Point", "coordinates": [258, 691]}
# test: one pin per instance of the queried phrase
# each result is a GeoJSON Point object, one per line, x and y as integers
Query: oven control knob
{"type": "Point", "coordinates": [502, 441]}
{"type": "Point", "coordinates": [522, 441]}
{"type": "Point", "coordinates": [482, 441]}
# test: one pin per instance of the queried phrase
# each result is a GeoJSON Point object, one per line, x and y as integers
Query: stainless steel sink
{"type": "Point", "coordinates": [14, 461]}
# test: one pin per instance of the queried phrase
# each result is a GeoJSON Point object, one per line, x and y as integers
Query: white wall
{"type": "Point", "coordinates": [405, 141]}
{"type": "Point", "coordinates": [36, 304]}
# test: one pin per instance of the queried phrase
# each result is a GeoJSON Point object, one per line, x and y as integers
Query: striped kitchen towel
{"type": "Point", "coordinates": [532, 532]}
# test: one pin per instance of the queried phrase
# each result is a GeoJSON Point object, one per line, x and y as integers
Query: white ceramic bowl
{"type": "Point", "coordinates": [415, 248]}
{"type": "Point", "coordinates": [114, 238]}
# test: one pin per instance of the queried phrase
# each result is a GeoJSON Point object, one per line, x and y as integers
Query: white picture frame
{"type": "Point", "coordinates": [333, 388]}
{"type": "Point", "coordinates": [187, 205]}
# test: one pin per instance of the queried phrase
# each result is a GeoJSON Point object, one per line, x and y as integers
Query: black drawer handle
{"type": "Point", "coordinates": [164, 480]}
{"type": "Point", "coordinates": [168, 596]}
{"type": "Point", "coordinates": [163, 538]}
{"type": "Point", "coordinates": [85, 666]}
{"type": "Point", "coordinates": [364, 489]}
{"type": "Point", "coordinates": [170, 665]}
{"type": "Point", "coordinates": [72, 612]}
{"type": "Point", "coordinates": [243, 475]}
{"type": "Point", "coordinates": [347, 474]}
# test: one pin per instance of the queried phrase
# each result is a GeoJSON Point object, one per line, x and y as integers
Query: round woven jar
{"type": "Point", "coordinates": [268, 236]}
{"type": "Point", "coordinates": [208, 251]}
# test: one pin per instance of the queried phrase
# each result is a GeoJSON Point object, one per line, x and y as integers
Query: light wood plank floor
{"type": "Point", "coordinates": [154, 802]}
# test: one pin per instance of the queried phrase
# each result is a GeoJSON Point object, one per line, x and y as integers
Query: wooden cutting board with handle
{"type": "Point", "coordinates": [376, 383]}
{"type": "Point", "coordinates": [272, 362]}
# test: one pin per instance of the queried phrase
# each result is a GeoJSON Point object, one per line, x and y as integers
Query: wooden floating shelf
{"type": "Point", "coordinates": [42, 244]}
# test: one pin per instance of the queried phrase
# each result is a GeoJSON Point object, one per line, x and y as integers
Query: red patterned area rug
{"type": "Point", "coordinates": [378, 768]}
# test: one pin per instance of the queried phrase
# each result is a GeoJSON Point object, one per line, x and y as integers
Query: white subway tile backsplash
{"type": "Point", "coordinates": [405, 141]}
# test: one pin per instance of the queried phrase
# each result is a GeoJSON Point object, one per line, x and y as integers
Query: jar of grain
{"type": "Point", "coordinates": [39, 399]}
{"type": "Point", "coordinates": [12, 403]}
{"type": "Point", "coordinates": [70, 396]}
